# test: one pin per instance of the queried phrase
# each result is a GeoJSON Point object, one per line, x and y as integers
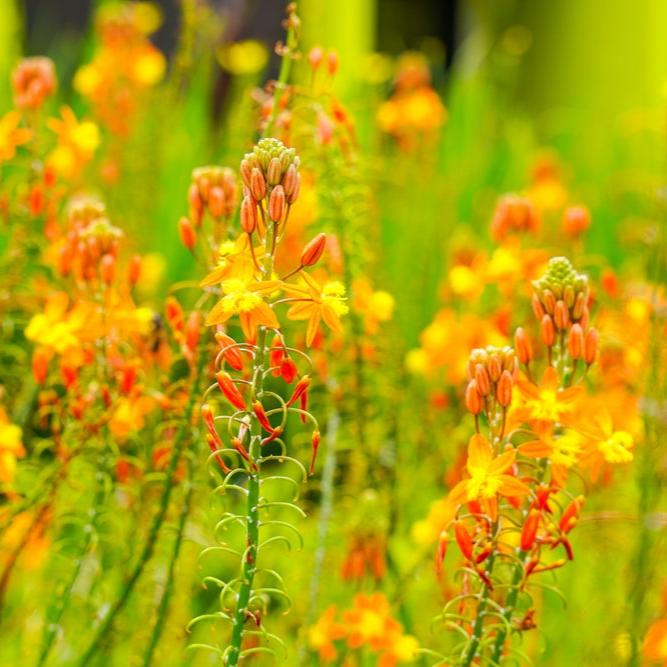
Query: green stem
{"type": "Point", "coordinates": [249, 566]}
{"type": "Point", "coordinates": [182, 436]}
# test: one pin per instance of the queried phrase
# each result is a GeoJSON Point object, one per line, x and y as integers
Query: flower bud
{"type": "Point", "coordinates": [187, 233]}
{"type": "Point", "coordinates": [248, 215]}
{"type": "Point", "coordinates": [549, 301]}
{"type": "Point", "coordinates": [257, 184]}
{"type": "Point", "coordinates": [591, 346]}
{"type": "Point", "coordinates": [522, 346]}
{"type": "Point", "coordinates": [134, 270]}
{"type": "Point", "coordinates": [277, 203]}
{"type": "Point", "coordinates": [107, 269]}
{"type": "Point", "coordinates": [494, 367]}
{"type": "Point", "coordinates": [473, 399]}
{"type": "Point", "coordinates": [315, 57]}
{"type": "Point", "coordinates": [246, 171]}
{"type": "Point", "coordinates": [575, 341]}
{"type": "Point", "coordinates": [228, 388]}
{"type": "Point", "coordinates": [561, 315]}
{"type": "Point", "coordinates": [290, 180]}
{"type": "Point", "coordinates": [504, 389]}
{"type": "Point", "coordinates": [538, 309]}
{"type": "Point", "coordinates": [464, 540]}
{"type": "Point", "coordinates": [292, 196]}
{"type": "Point", "coordinates": [216, 201]}
{"type": "Point", "coordinates": [332, 62]}
{"type": "Point", "coordinates": [313, 251]}
{"type": "Point", "coordinates": [314, 443]}
{"type": "Point", "coordinates": [529, 532]}
{"type": "Point", "coordinates": [482, 379]}
{"type": "Point", "coordinates": [274, 172]}
{"type": "Point", "coordinates": [548, 331]}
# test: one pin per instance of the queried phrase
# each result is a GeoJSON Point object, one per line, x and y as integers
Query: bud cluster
{"type": "Point", "coordinates": [491, 374]}
{"type": "Point", "coordinates": [91, 243]}
{"type": "Point", "coordinates": [33, 80]}
{"type": "Point", "coordinates": [271, 181]}
{"type": "Point", "coordinates": [514, 214]}
{"type": "Point", "coordinates": [560, 303]}
{"type": "Point", "coordinates": [214, 191]}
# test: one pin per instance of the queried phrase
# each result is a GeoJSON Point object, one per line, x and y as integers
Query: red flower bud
{"type": "Point", "coordinates": [228, 388]}
{"type": "Point", "coordinates": [315, 443]}
{"type": "Point", "coordinates": [301, 387]}
{"type": "Point", "coordinates": [529, 532]}
{"type": "Point", "coordinates": [187, 233]}
{"type": "Point", "coordinates": [464, 540]}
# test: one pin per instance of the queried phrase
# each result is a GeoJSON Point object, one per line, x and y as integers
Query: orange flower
{"type": "Point", "coordinates": [11, 135]}
{"type": "Point", "coordinates": [563, 451]}
{"type": "Point", "coordinates": [322, 635]}
{"type": "Point", "coordinates": [655, 642]}
{"type": "Point", "coordinates": [488, 476]}
{"type": "Point", "coordinates": [545, 403]}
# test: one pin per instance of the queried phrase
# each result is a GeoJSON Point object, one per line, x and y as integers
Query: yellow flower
{"type": "Point", "coordinates": [11, 448]}
{"type": "Point", "coordinates": [11, 135]}
{"type": "Point", "coordinates": [316, 303]}
{"type": "Point", "coordinates": [77, 142]}
{"type": "Point", "coordinates": [488, 476]}
{"type": "Point", "coordinates": [242, 296]}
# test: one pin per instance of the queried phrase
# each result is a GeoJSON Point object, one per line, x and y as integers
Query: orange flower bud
{"type": "Point", "coordinates": [569, 296]}
{"type": "Point", "coordinates": [257, 184]}
{"type": "Point", "coordinates": [504, 389]}
{"type": "Point", "coordinates": [313, 251]}
{"type": "Point", "coordinates": [174, 313]}
{"type": "Point", "coordinates": [495, 367]}
{"type": "Point", "coordinates": [134, 270]}
{"type": "Point", "coordinates": [570, 514]}
{"type": "Point", "coordinates": [238, 446]}
{"type": "Point", "coordinates": [538, 309]}
{"type": "Point", "coordinates": [290, 181]}
{"type": "Point", "coordinates": [193, 330]}
{"type": "Point", "coordinates": [576, 220]}
{"type": "Point", "coordinates": [315, 443]}
{"type": "Point", "coordinates": [187, 233]}
{"type": "Point", "coordinates": [40, 365]}
{"type": "Point", "coordinates": [293, 195]}
{"type": "Point", "coordinates": [246, 171]}
{"type": "Point", "coordinates": [196, 204]}
{"type": "Point", "coordinates": [473, 399]}
{"type": "Point", "coordinates": [107, 269]}
{"type": "Point", "coordinates": [315, 57]}
{"type": "Point", "coordinates": [231, 353]}
{"type": "Point", "coordinates": [561, 315]}
{"type": "Point", "coordinates": [464, 540]}
{"type": "Point", "coordinates": [579, 306]}
{"type": "Point", "coordinates": [274, 173]}
{"type": "Point", "coordinates": [213, 446]}
{"type": "Point", "coordinates": [548, 331]}
{"type": "Point", "coordinates": [524, 350]}
{"type": "Point", "coordinates": [228, 388]}
{"type": "Point", "coordinates": [248, 215]}
{"type": "Point", "coordinates": [262, 417]}
{"type": "Point", "coordinates": [482, 379]}
{"type": "Point", "coordinates": [216, 201]}
{"type": "Point", "coordinates": [288, 370]}
{"type": "Point", "coordinates": [529, 532]}
{"type": "Point", "coordinates": [549, 301]}
{"type": "Point", "coordinates": [277, 203]}
{"type": "Point", "coordinates": [591, 346]}
{"type": "Point", "coordinates": [332, 62]}
{"type": "Point", "coordinates": [300, 387]}
{"type": "Point", "coordinates": [575, 341]}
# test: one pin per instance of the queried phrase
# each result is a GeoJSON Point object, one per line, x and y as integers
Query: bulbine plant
{"type": "Point", "coordinates": [247, 421]}
{"type": "Point", "coordinates": [512, 512]}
